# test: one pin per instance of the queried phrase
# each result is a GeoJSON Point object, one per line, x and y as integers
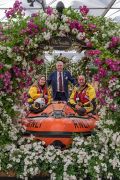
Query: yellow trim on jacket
{"type": "Point", "coordinates": [33, 92]}
{"type": "Point", "coordinates": [90, 92]}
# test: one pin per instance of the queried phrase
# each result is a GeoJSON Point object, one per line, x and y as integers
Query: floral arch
{"type": "Point", "coordinates": [21, 52]}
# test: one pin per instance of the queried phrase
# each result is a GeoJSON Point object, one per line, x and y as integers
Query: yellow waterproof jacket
{"type": "Point", "coordinates": [34, 94]}
{"type": "Point", "coordinates": [90, 93]}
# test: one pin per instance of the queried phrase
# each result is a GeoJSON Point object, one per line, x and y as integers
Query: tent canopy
{"type": "Point", "coordinates": [108, 8]}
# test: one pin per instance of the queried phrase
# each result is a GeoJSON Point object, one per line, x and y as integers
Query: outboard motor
{"type": "Point", "coordinates": [58, 144]}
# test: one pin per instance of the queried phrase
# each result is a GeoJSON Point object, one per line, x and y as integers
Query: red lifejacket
{"type": "Point", "coordinates": [81, 96]}
{"type": "Point", "coordinates": [43, 90]}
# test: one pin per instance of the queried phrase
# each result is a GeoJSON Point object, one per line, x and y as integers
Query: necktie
{"type": "Point", "coordinates": [60, 82]}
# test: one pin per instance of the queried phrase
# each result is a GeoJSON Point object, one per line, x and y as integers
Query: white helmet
{"type": "Point", "coordinates": [40, 102]}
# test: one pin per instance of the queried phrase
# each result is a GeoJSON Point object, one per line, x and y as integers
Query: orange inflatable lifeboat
{"type": "Point", "coordinates": [57, 123]}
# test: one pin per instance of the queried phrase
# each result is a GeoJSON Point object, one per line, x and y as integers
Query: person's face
{"type": "Point", "coordinates": [59, 67]}
{"type": "Point", "coordinates": [81, 80]}
{"type": "Point", "coordinates": [42, 81]}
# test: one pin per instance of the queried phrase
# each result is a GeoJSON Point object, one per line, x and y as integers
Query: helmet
{"type": "Point", "coordinates": [39, 103]}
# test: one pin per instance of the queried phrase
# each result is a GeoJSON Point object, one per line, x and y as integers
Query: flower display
{"type": "Point", "coordinates": [23, 41]}
{"type": "Point", "coordinates": [86, 156]}
{"type": "Point", "coordinates": [84, 10]}
{"type": "Point", "coordinates": [17, 8]}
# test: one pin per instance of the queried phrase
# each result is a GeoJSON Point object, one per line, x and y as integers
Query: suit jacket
{"type": "Point", "coordinates": [52, 80]}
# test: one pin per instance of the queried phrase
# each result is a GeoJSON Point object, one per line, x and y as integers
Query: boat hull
{"type": "Point", "coordinates": [58, 123]}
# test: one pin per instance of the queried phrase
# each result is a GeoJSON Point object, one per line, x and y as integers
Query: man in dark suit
{"type": "Point", "coordinates": [59, 81]}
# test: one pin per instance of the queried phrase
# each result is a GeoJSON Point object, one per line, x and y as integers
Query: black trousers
{"type": "Point", "coordinates": [60, 96]}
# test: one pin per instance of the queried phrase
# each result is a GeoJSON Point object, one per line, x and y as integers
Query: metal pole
{"type": "Point", "coordinates": [46, 71]}
{"type": "Point", "coordinates": [108, 7]}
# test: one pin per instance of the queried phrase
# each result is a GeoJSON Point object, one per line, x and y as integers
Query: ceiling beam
{"type": "Point", "coordinates": [108, 7]}
{"type": "Point", "coordinates": [54, 8]}
{"type": "Point", "coordinates": [51, 2]}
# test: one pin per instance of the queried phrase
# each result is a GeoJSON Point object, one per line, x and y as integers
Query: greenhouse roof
{"type": "Point", "coordinates": [108, 8]}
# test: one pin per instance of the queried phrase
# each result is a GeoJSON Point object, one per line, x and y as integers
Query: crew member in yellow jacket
{"type": "Point", "coordinates": [83, 96]}
{"type": "Point", "coordinates": [39, 91]}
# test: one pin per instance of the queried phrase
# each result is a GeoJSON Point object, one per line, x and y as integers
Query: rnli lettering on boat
{"type": "Point", "coordinates": [80, 124]}
{"type": "Point", "coordinates": [33, 124]}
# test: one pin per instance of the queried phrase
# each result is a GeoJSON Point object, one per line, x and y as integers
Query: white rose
{"type": "Point", "coordinates": [61, 34]}
{"type": "Point", "coordinates": [103, 35]}
{"type": "Point", "coordinates": [65, 18]}
{"type": "Point", "coordinates": [52, 17]}
{"type": "Point", "coordinates": [44, 15]}
{"type": "Point", "coordinates": [54, 26]}
{"type": "Point", "coordinates": [79, 36]}
{"type": "Point", "coordinates": [8, 66]}
{"type": "Point", "coordinates": [18, 160]}
{"type": "Point", "coordinates": [18, 58]}
{"type": "Point", "coordinates": [86, 40]}
{"type": "Point", "coordinates": [31, 169]}
{"type": "Point", "coordinates": [46, 36]}
{"type": "Point", "coordinates": [35, 45]}
{"type": "Point", "coordinates": [74, 31]}
{"type": "Point", "coordinates": [2, 48]}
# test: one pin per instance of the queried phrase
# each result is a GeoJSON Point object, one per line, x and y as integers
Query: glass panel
{"type": "Point", "coordinates": [116, 4]}
{"type": "Point", "coordinates": [117, 16]}
{"type": "Point", "coordinates": [77, 3]}
{"type": "Point", "coordinates": [90, 4]}
{"type": "Point", "coordinates": [6, 3]}
{"type": "Point", "coordinates": [96, 6]}
{"type": "Point", "coordinates": [9, 4]}
{"type": "Point", "coordinates": [28, 12]}
{"type": "Point", "coordinates": [2, 15]}
{"type": "Point", "coordinates": [115, 12]}
{"type": "Point", "coordinates": [27, 5]}
{"type": "Point", "coordinates": [112, 13]}
{"type": "Point", "coordinates": [96, 12]}
{"type": "Point", "coordinates": [66, 3]}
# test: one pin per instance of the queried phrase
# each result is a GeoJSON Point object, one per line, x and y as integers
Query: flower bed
{"type": "Point", "coordinates": [96, 156]}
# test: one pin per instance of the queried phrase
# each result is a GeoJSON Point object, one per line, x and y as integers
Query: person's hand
{"type": "Point", "coordinates": [77, 106]}
{"type": "Point", "coordinates": [45, 96]}
{"type": "Point", "coordinates": [80, 104]}
{"type": "Point", "coordinates": [41, 95]}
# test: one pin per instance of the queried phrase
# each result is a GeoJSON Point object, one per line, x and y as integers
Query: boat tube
{"type": "Point", "coordinates": [57, 123]}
